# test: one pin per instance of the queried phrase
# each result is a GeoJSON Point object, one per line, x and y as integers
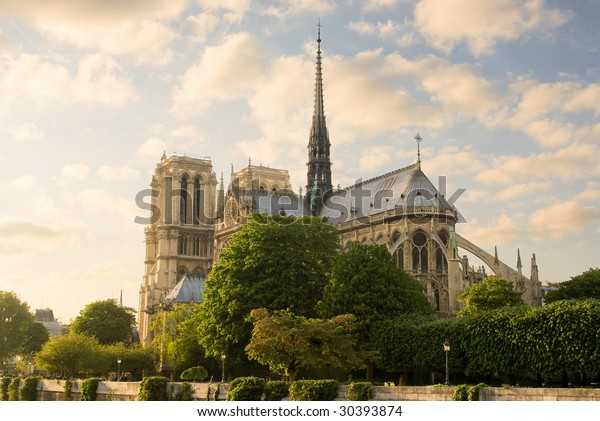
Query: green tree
{"type": "Point", "coordinates": [134, 359]}
{"type": "Point", "coordinates": [586, 285]}
{"type": "Point", "coordinates": [489, 294]}
{"type": "Point", "coordinates": [286, 342]}
{"type": "Point", "coordinates": [273, 262]}
{"type": "Point", "coordinates": [36, 335]}
{"type": "Point", "coordinates": [70, 355]}
{"type": "Point", "coordinates": [15, 324]}
{"type": "Point", "coordinates": [106, 321]}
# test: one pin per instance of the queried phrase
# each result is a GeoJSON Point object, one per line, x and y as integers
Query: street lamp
{"type": "Point", "coordinates": [223, 356]}
{"type": "Point", "coordinates": [447, 350]}
{"type": "Point", "coordinates": [119, 368]}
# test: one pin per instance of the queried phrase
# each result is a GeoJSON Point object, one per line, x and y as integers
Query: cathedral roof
{"type": "Point", "coordinates": [407, 188]}
{"type": "Point", "coordinates": [188, 290]}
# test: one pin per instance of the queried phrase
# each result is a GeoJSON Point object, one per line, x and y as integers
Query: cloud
{"type": "Point", "coordinates": [482, 24]}
{"type": "Point", "coordinates": [25, 132]}
{"type": "Point", "coordinates": [202, 25]}
{"type": "Point", "coordinates": [102, 202]}
{"type": "Point", "coordinates": [223, 73]}
{"type": "Point", "coordinates": [152, 148]}
{"type": "Point", "coordinates": [571, 163]}
{"type": "Point", "coordinates": [506, 229]}
{"type": "Point", "coordinates": [232, 10]}
{"type": "Point", "coordinates": [374, 157]}
{"type": "Point", "coordinates": [520, 190]}
{"type": "Point", "coordinates": [110, 173]}
{"type": "Point", "coordinates": [370, 5]}
{"type": "Point", "coordinates": [384, 30]}
{"type": "Point", "coordinates": [287, 8]}
{"type": "Point", "coordinates": [71, 173]}
{"type": "Point", "coordinates": [22, 237]}
{"type": "Point", "coordinates": [590, 193]}
{"type": "Point", "coordinates": [562, 219]}
{"type": "Point", "coordinates": [23, 183]}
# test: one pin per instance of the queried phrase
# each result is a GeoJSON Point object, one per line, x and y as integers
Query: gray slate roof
{"type": "Point", "coordinates": [188, 290]}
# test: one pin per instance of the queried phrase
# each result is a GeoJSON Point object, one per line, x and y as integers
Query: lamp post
{"type": "Point", "coordinates": [447, 351]}
{"type": "Point", "coordinates": [223, 356]}
{"type": "Point", "coordinates": [119, 368]}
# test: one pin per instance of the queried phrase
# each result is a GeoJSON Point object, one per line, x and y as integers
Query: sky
{"type": "Point", "coordinates": [505, 94]}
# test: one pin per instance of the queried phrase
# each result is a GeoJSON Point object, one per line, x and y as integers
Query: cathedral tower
{"type": "Point", "coordinates": [318, 176]}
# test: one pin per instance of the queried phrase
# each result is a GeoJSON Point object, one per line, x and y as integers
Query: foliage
{"type": "Point", "coordinates": [175, 336]}
{"type": "Point", "coordinates": [461, 392]}
{"type": "Point", "coordinates": [89, 389]}
{"type": "Point", "coordinates": [15, 321]}
{"type": "Point", "coordinates": [366, 282]}
{"type": "Point", "coordinates": [586, 285]}
{"type": "Point", "coordinates": [276, 390]}
{"type": "Point", "coordinates": [246, 389]}
{"type": "Point", "coordinates": [28, 391]}
{"type": "Point", "coordinates": [489, 294]}
{"type": "Point", "coordinates": [68, 391]}
{"type": "Point", "coordinates": [473, 394]}
{"type": "Point", "coordinates": [36, 335]}
{"type": "Point", "coordinates": [106, 321]}
{"type": "Point", "coordinates": [314, 390]}
{"type": "Point", "coordinates": [286, 342]}
{"type": "Point", "coordinates": [278, 263]}
{"type": "Point", "coordinates": [197, 374]}
{"type": "Point", "coordinates": [13, 389]}
{"type": "Point", "coordinates": [4, 388]}
{"type": "Point", "coordinates": [185, 393]}
{"type": "Point", "coordinates": [360, 391]}
{"type": "Point", "coordinates": [153, 389]}
{"type": "Point", "coordinates": [70, 354]}
{"type": "Point", "coordinates": [215, 394]}
{"type": "Point", "coordinates": [134, 359]}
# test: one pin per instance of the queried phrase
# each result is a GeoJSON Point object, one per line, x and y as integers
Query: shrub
{"type": "Point", "coordinates": [185, 393]}
{"type": "Point", "coordinates": [153, 389]}
{"type": "Point", "coordinates": [246, 389]}
{"type": "Point", "coordinates": [276, 390]}
{"type": "Point", "coordinates": [197, 374]}
{"type": "Point", "coordinates": [89, 388]}
{"type": "Point", "coordinates": [28, 391]}
{"type": "Point", "coordinates": [13, 389]}
{"type": "Point", "coordinates": [360, 391]}
{"type": "Point", "coordinates": [461, 392]}
{"type": "Point", "coordinates": [68, 391]}
{"type": "Point", "coordinates": [314, 390]}
{"type": "Point", "coordinates": [217, 391]}
{"type": "Point", "coordinates": [473, 394]}
{"type": "Point", "coordinates": [4, 388]}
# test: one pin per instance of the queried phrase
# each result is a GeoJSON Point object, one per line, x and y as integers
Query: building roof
{"type": "Point", "coordinates": [188, 290]}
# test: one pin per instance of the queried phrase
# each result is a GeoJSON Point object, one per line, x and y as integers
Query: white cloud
{"type": "Point", "coordinates": [23, 183]}
{"type": "Point", "coordinates": [232, 10]}
{"type": "Point", "coordinates": [370, 5]}
{"type": "Point", "coordinates": [384, 30]}
{"type": "Point", "coordinates": [520, 190]}
{"type": "Point", "coordinates": [590, 193]}
{"type": "Point", "coordinates": [25, 132]}
{"type": "Point", "coordinates": [102, 202]}
{"type": "Point", "coordinates": [26, 238]}
{"type": "Point", "coordinates": [224, 72]}
{"type": "Point", "coordinates": [110, 173]}
{"type": "Point", "coordinates": [71, 173]}
{"type": "Point", "coordinates": [286, 8]}
{"type": "Point", "coordinates": [374, 157]}
{"type": "Point", "coordinates": [562, 219]}
{"type": "Point", "coordinates": [482, 24]}
{"type": "Point", "coordinates": [506, 229]}
{"type": "Point", "coordinates": [202, 26]}
{"type": "Point", "coordinates": [152, 148]}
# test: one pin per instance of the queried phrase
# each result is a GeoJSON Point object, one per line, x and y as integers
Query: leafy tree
{"type": "Point", "coordinates": [70, 355]}
{"type": "Point", "coordinates": [134, 359]}
{"type": "Point", "coordinates": [106, 321]}
{"type": "Point", "coordinates": [36, 335]}
{"type": "Point", "coordinates": [272, 262]}
{"type": "Point", "coordinates": [489, 294]}
{"type": "Point", "coordinates": [286, 342]}
{"type": "Point", "coordinates": [15, 323]}
{"type": "Point", "coordinates": [197, 373]}
{"type": "Point", "coordinates": [586, 285]}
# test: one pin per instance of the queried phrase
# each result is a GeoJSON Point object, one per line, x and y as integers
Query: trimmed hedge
{"type": "Point", "coordinates": [4, 388]}
{"type": "Point", "coordinates": [184, 393]}
{"type": "Point", "coordinates": [68, 391]}
{"type": "Point", "coordinates": [314, 390]}
{"type": "Point", "coordinates": [464, 392]}
{"type": "Point", "coordinates": [246, 389]}
{"type": "Point", "coordinates": [276, 390]}
{"type": "Point", "coordinates": [89, 388]}
{"type": "Point", "coordinates": [153, 389]}
{"type": "Point", "coordinates": [360, 391]}
{"type": "Point", "coordinates": [28, 391]}
{"type": "Point", "coordinates": [13, 389]}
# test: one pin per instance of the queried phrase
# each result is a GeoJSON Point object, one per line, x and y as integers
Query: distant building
{"type": "Point", "coordinates": [547, 287]}
{"type": "Point", "coordinates": [45, 316]}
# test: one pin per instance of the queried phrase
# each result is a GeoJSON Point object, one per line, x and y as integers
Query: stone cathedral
{"type": "Point", "coordinates": [194, 215]}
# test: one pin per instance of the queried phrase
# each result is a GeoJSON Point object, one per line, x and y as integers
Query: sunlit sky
{"type": "Point", "coordinates": [505, 94]}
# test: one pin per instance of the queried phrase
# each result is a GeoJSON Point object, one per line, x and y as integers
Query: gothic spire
{"type": "Point", "coordinates": [419, 139]}
{"type": "Point", "coordinates": [519, 264]}
{"type": "Point", "coordinates": [318, 177]}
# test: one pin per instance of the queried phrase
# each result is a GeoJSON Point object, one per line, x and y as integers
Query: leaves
{"type": "Point", "coordinates": [489, 294]}
{"type": "Point", "coordinates": [106, 321]}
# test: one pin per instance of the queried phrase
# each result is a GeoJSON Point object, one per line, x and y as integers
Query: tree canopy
{"type": "Point", "coordinates": [277, 263]}
{"type": "Point", "coordinates": [489, 294]}
{"type": "Point", "coordinates": [106, 321]}
{"type": "Point", "coordinates": [286, 342]}
{"type": "Point", "coordinates": [586, 285]}
{"type": "Point", "coordinates": [366, 283]}
{"type": "Point", "coordinates": [18, 330]}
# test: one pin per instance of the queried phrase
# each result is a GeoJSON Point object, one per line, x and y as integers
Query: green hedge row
{"type": "Point", "coordinates": [256, 389]}
{"type": "Point", "coordinates": [13, 389]}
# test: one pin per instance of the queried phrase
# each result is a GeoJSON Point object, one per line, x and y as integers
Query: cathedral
{"type": "Point", "coordinates": [194, 216]}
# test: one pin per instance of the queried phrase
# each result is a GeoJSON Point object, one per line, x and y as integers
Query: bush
{"type": "Point", "coordinates": [360, 391]}
{"type": "Point", "coordinates": [314, 390]}
{"type": "Point", "coordinates": [246, 389]}
{"type": "Point", "coordinates": [68, 391]}
{"type": "Point", "coordinates": [185, 393]}
{"type": "Point", "coordinates": [197, 374]}
{"type": "Point", "coordinates": [461, 392]}
{"type": "Point", "coordinates": [28, 391]}
{"type": "Point", "coordinates": [473, 394]}
{"type": "Point", "coordinates": [153, 389]}
{"type": "Point", "coordinates": [276, 390]}
{"type": "Point", "coordinates": [13, 389]}
{"type": "Point", "coordinates": [89, 388]}
{"type": "Point", "coordinates": [4, 388]}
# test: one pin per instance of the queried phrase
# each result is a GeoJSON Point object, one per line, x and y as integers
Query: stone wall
{"type": "Point", "coordinates": [53, 390]}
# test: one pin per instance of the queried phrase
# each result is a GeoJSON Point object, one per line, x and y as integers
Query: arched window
{"type": "Point", "coordinates": [197, 208]}
{"type": "Point", "coordinates": [441, 264]}
{"type": "Point", "coordinates": [399, 257]}
{"type": "Point", "coordinates": [419, 252]}
{"type": "Point", "coordinates": [183, 201]}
